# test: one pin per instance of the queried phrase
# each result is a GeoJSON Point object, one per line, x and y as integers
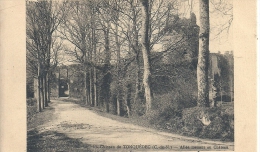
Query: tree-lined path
{"type": "Point", "coordinates": [82, 125]}
{"type": "Point", "coordinates": [147, 61]}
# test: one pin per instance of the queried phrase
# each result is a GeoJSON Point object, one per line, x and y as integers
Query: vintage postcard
{"type": "Point", "coordinates": [128, 75]}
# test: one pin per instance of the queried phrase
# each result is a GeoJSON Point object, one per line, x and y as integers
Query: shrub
{"type": "Point", "coordinates": [221, 126]}
{"type": "Point", "coordinates": [139, 107]}
{"type": "Point", "coordinates": [191, 125]}
{"type": "Point", "coordinates": [171, 115]}
{"type": "Point", "coordinates": [167, 112]}
{"type": "Point", "coordinates": [31, 101]}
{"type": "Point", "coordinates": [173, 100]}
{"type": "Point", "coordinates": [31, 107]}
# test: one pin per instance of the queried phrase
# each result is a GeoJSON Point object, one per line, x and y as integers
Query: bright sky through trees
{"type": "Point", "coordinates": [221, 14]}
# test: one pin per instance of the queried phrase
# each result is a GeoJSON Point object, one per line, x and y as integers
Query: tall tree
{"type": "Point", "coordinates": [93, 58]}
{"type": "Point", "coordinates": [146, 54]}
{"type": "Point", "coordinates": [104, 13]}
{"type": "Point", "coordinates": [129, 23]}
{"type": "Point", "coordinates": [75, 29]}
{"type": "Point", "coordinates": [203, 57]}
{"type": "Point", "coordinates": [42, 21]}
{"type": "Point", "coordinates": [118, 100]}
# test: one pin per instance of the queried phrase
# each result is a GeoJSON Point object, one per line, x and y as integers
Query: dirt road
{"type": "Point", "coordinates": [104, 134]}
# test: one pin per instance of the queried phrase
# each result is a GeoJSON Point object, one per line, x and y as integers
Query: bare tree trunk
{"type": "Point", "coordinates": [45, 90]}
{"type": "Point", "coordinates": [95, 77]}
{"type": "Point", "coordinates": [86, 87]}
{"type": "Point", "coordinates": [127, 108]}
{"type": "Point", "coordinates": [107, 75]}
{"type": "Point", "coordinates": [39, 106]}
{"type": "Point", "coordinates": [118, 69]}
{"type": "Point", "coordinates": [42, 92]}
{"type": "Point", "coordinates": [95, 87]}
{"type": "Point", "coordinates": [127, 97]}
{"type": "Point", "coordinates": [231, 89]}
{"type": "Point", "coordinates": [94, 53]}
{"type": "Point", "coordinates": [68, 80]}
{"type": "Point", "coordinates": [137, 53]}
{"type": "Point", "coordinates": [146, 55]}
{"type": "Point", "coordinates": [221, 91]}
{"type": "Point", "coordinates": [90, 69]}
{"type": "Point", "coordinates": [203, 57]}
{"type": "Point", "coordinates": [48, 69]}
{"type": "Point", "coordinates": [90, 87]}
{"type": "Point", "coordinates": [59, 84]}
{"type": "Point", "coordinates": [203, 62]}
{"type": "Point", "coordinates": [85, 97]}
{"type": "Point", "coordinates": [137, 79]}
{"type": "Point", "coordinates": [118, 105]}
{"type": "Point", "coordinates": [138, 69]}
{"type": "Point", "coordinates": [106, 87]}
{"type": "Point", "coordinates": [49, 89]}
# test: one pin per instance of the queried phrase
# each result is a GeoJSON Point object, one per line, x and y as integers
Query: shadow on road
{"type": "Point", "coordinates": [48, 141]}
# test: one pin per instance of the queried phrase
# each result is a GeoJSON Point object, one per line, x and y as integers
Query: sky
{"type": "Point", "coordinates": [221, 38]}
{"type": "Point", "coordinates": [218, 42]}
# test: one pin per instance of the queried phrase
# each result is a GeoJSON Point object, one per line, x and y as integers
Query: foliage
{"type": "Point", "coordinates": [186, 122]}
{"type": "Point", "coordinates": [29, 87]}
{"type": "Point", "coordinates": [31, 107]}
{"type": "Point", "coordinates": [221, 73]}
{"type": "Point", "coordinates": [221, 126]}
{"type": "Point", "coordinates": [168, 110]}
{"type": "Point", "coordinates": [31, 102]}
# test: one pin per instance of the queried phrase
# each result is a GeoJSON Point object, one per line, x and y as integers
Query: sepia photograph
{"type": "Point", "coordinates": [129, 75]}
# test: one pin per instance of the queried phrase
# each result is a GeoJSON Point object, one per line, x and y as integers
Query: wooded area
{"type": "Point", "coordinates": [133, 58]}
